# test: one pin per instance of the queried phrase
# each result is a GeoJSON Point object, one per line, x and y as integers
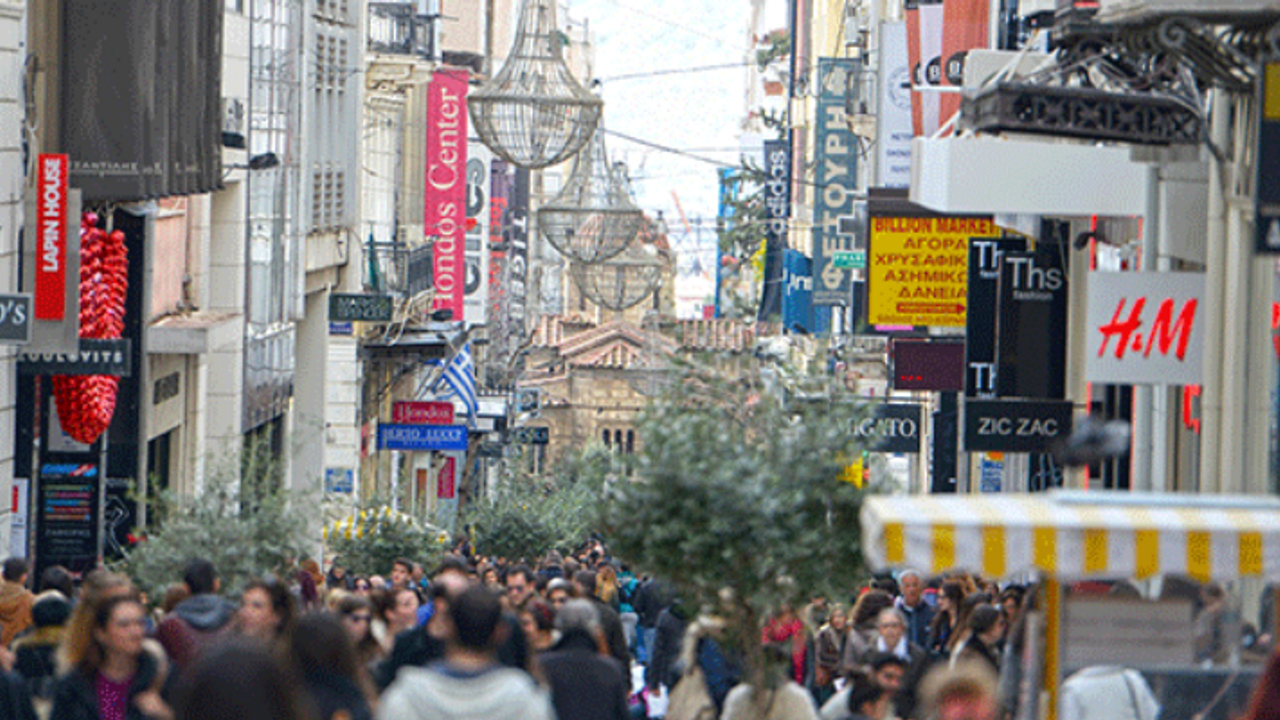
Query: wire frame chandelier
{"type": "Point", "coordinates": [592, 219]}
{"type": "Point", "coordinates": [626, 280]}
{"type": "Point", "coordinates": [533, 113]}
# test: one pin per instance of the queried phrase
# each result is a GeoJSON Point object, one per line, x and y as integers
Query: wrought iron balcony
{"type": "Point", "coordinates": [397, 28]}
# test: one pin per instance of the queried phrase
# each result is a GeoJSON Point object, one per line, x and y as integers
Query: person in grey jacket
{"type": "Point", "coordinates": [470, 683]}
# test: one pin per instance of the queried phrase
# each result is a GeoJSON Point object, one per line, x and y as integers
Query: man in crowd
{"type": "Point", "coordinates": [520, 586]}
{"type": "Point", "coordinates": [585, 685]}
{"type": "Point", "coordinates": [15, 600]}
{"type": "Point", "coordinates": [401, 573]}
{"type": "Point", "coordinates": [196, 621]}
{"type": "Point", "coordinates": [425, 644]}
{"type": "Point", "coordinates": [652, 597]}
{"type": "Point", "coordinates": [584, 587]}
{"type": "Point", "coordinates": [911, 602]}
{"type": "Point", "coordinates": [891, 626]}
{"type": "Point", "coordinates": [470, 684]}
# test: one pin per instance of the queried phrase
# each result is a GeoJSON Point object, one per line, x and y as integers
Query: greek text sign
{"type": "Point", "coordinates": [422, 438]}
{"type": "Point", "coordinates": [1145, 328]}
{"type": "Point", "coordinates": [1014, 426]}
{"type": "Point", "coordinates": [837, 170]}
{"type": "Point", "coordinates": [893, 428]}
{"type": "Point", "coordinates": [918, 269]}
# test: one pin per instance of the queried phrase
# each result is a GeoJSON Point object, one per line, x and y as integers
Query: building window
{"type": "Point", "coordinates": [631, 442]}
{"type": "Point", "coordinates": [604, 435]}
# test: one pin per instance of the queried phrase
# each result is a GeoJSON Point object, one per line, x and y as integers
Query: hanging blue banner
{"type": "Point", "coordinates": [797, 292]}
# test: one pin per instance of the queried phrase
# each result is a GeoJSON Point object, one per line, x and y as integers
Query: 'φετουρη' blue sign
{"type": "Point", "coordinates": [422, 437]}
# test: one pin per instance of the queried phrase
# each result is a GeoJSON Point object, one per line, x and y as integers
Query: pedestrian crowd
{"type": "Point", "coordinates": [576, 637]}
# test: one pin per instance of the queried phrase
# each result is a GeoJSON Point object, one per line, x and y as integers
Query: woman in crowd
{"type": "Point", "coordinates": [356, 614]}
{"type": "Point", "coordinates": [266, 611]}
{"type": "Point", "coordinates": [111, 676]}
{"type": "Point", "coordinates": [946, 622]}
{"type": "Point", "coordinates": [828, 649]}
{"type": "Point", "coordinates": [239, 681]}
{"type": "Point", "coordinates": [332, 675]}
{"type": "Point", "coordinates": [361, 586]}
{"type": "Point", "coordinates": [784, 699]}
{"type": "Point", "coordinates": [862, 636]}
{"type": "Point", "coordinates": [538, 622]}
{"type": "Point", "coordinates": [985, 627]}
{"type": "Point", "coordinates": [397, 609]}
{"type": "Point", "coordinates": [607, 587]}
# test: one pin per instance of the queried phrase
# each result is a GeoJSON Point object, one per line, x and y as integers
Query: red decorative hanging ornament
{"type": "Point", "coordinates": [86, 403]}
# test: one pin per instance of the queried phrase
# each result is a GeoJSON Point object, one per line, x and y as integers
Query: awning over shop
{"type": "Point", "coordinates": [1077, 534]}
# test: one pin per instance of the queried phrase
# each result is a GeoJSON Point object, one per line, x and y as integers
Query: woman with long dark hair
{"type": "Point", "coordinates": [356, 615]}
{"type": "Point", "coordinates": [111, 675]}
{"type": "Point", "coordinates": [333, 678]}
{"type": "Point", "coordinates": [945, 630]}
{"type": "Point", "coordinates": [266, 611]}
{"type": "Point", "coordinates": [239, 680]}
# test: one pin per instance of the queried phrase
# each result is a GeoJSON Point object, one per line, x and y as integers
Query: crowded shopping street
{"type": "Point", "coordinates": [640, 360]}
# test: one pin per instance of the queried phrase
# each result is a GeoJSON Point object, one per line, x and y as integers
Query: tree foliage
{"type": "Point", "coordinates": [528, 514]}
{"type": "Point", "coordinates": [735, 498]}
{"type": "Point", "coordinates": [243, 523]}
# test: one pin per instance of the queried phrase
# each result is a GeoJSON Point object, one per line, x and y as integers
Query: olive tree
{"type": "Point", "coordinates": [734, 498]}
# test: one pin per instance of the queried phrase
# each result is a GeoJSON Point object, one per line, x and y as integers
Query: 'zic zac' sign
{"type": "Point", "coordinates": [353, 307]}
{"type": "Point", "coordinates": [918, 269]}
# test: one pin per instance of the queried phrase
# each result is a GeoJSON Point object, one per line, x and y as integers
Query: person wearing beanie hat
{"type": "Point", "coordinates": [36, 650]}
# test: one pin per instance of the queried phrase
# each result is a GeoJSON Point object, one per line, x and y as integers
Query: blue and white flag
{"type": "Point", "coordinates": [459, 380]}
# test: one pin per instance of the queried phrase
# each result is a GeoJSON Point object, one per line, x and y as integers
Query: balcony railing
{"type": "Point", "coordinates": [397, 28]}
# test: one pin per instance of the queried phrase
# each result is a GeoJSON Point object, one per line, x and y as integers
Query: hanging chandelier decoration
{"type": "Point", "coordinates": [533, 113]}
{"type": "Point", "coordinates": [592, 219]}
{"type": "Point", "coordinates": [626, 280]}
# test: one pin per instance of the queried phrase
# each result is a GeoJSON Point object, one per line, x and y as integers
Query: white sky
{"type": "Point", "coordinates": [700, 112]}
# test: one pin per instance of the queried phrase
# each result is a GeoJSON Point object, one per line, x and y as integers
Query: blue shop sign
{"type": "Point", "coordinates": [422, 437]}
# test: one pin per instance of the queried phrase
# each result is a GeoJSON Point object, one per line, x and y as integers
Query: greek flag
{"type": "Point", "coordinates": [459, 380]}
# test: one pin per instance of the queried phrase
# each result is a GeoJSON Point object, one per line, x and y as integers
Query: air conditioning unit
{"type": "Point", "coordinates": [233, 122]}
{"type": "Point", "coordinates": [855, 26]}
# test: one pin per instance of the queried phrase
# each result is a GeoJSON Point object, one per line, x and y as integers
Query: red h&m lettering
{"type": "Point", "coordinates": [1164, 330]}
{"type": "Point", "coordinates": [1163, 334]}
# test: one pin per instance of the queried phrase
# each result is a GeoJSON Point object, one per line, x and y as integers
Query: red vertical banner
{"type": "Point", "coordinates": [924, 50]}
{"type": "Point", "coordinates": [965, 27]}
{"type": "Point", "coordinates": [51, 238]}
{"type": "Point", "coordinates": [445, 481]}
{"type": "Point", "coordinates": [445, 200]}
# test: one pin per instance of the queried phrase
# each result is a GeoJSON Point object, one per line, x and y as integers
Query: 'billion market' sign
{"type": "Point", "coordinates": [918, 269]}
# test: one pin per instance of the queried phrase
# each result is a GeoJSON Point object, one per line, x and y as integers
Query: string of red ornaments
{"type": "Point", "coordinates": [87, 402]}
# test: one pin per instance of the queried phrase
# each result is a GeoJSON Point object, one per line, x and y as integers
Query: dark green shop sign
{"type": "Point", "coordinates": [353, 307]}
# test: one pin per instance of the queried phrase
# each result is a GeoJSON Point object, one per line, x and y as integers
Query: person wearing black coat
{"type": "Point", "coordinates": [667, 640]}
{"type": "Point", "coordinates": [75, 695]}
{"type": "Point", "coordinates": [585, 684]}
{"type": "Point", "coordinates": [15, 699]}
{"type": "Point", "coordinates": [584, 587]}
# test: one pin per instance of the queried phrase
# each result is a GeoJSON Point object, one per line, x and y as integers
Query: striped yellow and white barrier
{"type": "Point", "coordinates": [1075, 535]}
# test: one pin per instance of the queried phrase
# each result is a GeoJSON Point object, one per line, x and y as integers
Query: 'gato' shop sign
{"type": "Point", "coordinates": [1145, 328]}
{"type": "Point", "coordinates": [445, 201]}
